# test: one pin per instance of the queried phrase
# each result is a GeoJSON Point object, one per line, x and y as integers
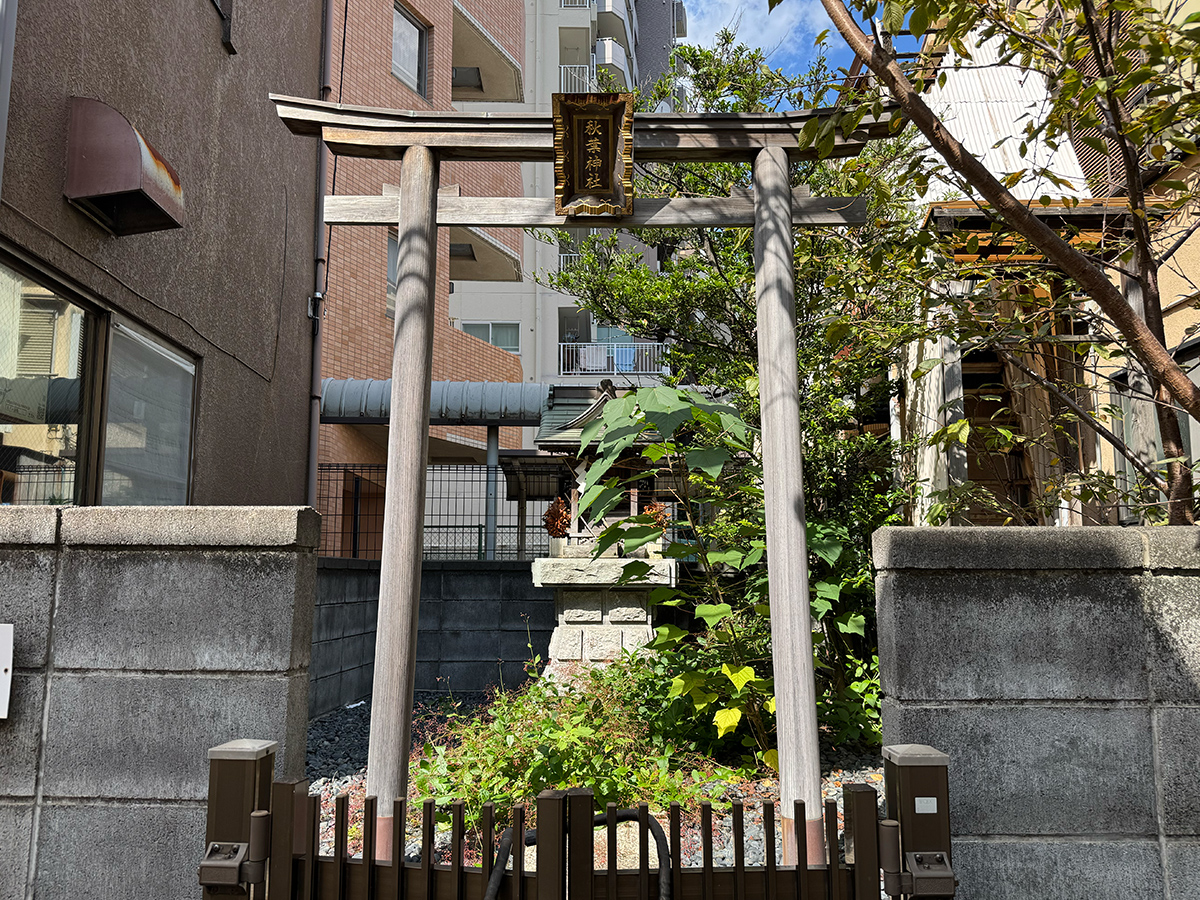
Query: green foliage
{"type": "Point", "coordinates": [612, 731]}
{"type": "Point", "coordinates": [720, 671]}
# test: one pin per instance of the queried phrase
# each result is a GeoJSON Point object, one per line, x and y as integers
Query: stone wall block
{"type": "Point", "coordinates": [16, 825]}
{"type": "Point", "coordinates": [1172, 548]}
{"type": "Point", "coordinates": [990, 549]}
{"type": "Point", "coordinates": [567, 643]}
{"type": "Point", "coordinates": [601, 643]}
{"type": "Point", "coordinates": [147, 736]}
{"type": "Point", "coordinates": [116, 610]}
{"type": "Point", "coordinates": [1178, 752]}
{"type": "Point", "coordinates": [480, 614]}
{"type": "Point", "coordinates": [26, 526]}
{"type": "Point", "coordinates": [1001, 869]}
{"type": "Point", "coordinates": [1013, 635]}
{"type": "Point", "coordinates": [19, 737]}
{"type": "Point", "coordinates": [582, 607]}
{"type": "Point", "coordinates": [282, 527]}
{"type": "Point", "coordinates": [1038, 770]}
{"type": "Point", "coordinates": [1183, 868]}
{"type": "Point", "coordinates": [634, 639]}
{"type": "Point", "coordinates": [1173, 620]}
{"type": "Point", "coordinates": [626, 607]}
{"type": "Point", "coordinates": [116, 851]}
{"type": "Point", "coordinates": [26, 595]}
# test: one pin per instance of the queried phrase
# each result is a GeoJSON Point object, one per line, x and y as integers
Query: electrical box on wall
{"type": "Point", "coordinates": [6, 668]}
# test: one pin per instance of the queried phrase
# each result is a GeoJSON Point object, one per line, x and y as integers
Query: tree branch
{"type": "Point", "coordinates": [1142, 340]}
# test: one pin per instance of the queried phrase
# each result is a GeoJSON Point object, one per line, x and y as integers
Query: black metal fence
{"type": "Point", "coordinates": [471, 511]}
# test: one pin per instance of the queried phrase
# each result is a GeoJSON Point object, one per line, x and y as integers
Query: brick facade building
{"type": "Point", "coordinates": [422, 56]}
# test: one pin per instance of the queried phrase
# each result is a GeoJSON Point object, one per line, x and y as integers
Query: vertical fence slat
{"type": "Point", "coordinates": [643, 812]}
{"type": "Point", "coordinates": [286, 802]}
{"type": "Point", "coordinates": [739, 851]}
{"type": "Point", "coordinates": [551, 862]}
{"type": "Point", "coordinates": [861, 813]}
{"type": "Point", "coordinates": [831, 849]}
{"type": "Point", "coordinates": [312, 885]}
{"type": "Point", "coordinates": [341, 840]}
{"type": "Point", "coordinates": [581, 853]}
{"type": "Point", "coordinates": [706, 850]}
{"type": "Point", "coordinates": [370, 813]}
{"type": "Point", "coordinates": [771, 877]}
{"type": "Point", "coordinates": [428, 888]}
{"type": "Point", "coordinates": [457, 816]}
{"type": "Point", "coordinates": [800, 830]}
{"type": "Point", "coordinates": [487, 843]}
{"type": "Point", "coordinates": [611, 881]}
{"type": "Point", "coordinates": [676, 852]}
{"type": "Point", "coordinates": [399, 810]}
{"type": "Point", "coordinates": [518, 851]}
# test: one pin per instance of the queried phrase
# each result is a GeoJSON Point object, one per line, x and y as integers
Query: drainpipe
{"type": "Point", "coordinates": [316, 303]}
{"type": "Point", "coordinates": [493, 466]}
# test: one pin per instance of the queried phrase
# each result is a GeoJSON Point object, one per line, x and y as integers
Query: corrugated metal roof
{"type": "Point", "coordinates": [983, 102]}
{"type": "Point", "coordinates": [368, 401]}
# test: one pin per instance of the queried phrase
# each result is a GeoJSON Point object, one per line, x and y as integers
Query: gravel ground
{"type": "Point", "coordinates": [337, 757]}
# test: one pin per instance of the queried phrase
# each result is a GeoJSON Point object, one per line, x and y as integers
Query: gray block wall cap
{"type": "Point", "coordinates": [1005, 548]}
{"type": "Point", "coordinates": [915, 755]}
{"type": "Point", "coordinates": [243, 748]}
{"type": "Point", "coordinates": [584, 572]}
{"type": "Point", "coordinates": [26, 525]}
{"type": "Point", "coordinates": [279, 527]}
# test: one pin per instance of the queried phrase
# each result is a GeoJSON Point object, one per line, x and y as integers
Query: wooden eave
{"type": "Point", "coordinates": [375, 133]}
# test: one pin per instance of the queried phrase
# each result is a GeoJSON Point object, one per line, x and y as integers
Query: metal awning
{"type": "Point", "coordinates": [367, 401]}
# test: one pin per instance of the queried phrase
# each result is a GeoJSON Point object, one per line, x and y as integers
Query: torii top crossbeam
{"type": "Point", "coordinates": [375, 133]}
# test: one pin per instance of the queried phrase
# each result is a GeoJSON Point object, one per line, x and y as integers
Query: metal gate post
{"type": "Point", "coordinates": [240, 775]}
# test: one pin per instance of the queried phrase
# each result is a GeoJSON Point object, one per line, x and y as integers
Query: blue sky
{"type": "Point", "coordinates": [786, 34]}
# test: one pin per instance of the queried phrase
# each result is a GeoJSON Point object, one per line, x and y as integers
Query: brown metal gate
{"type": "Point", "coordinates": [264, 842]}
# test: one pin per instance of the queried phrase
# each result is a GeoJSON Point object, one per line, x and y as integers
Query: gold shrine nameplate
{"type": "Point", "coordinates": [593, 154]}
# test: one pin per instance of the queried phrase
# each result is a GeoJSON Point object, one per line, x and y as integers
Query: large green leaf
{"type": "Point", "coordinates": [739, 675]}
{"type": "Point", "coordinates": [712, 613]}
{"type": "Point", "coordinates": [727, 720]}
{"type": "Point", "coordinates": [710, 461]}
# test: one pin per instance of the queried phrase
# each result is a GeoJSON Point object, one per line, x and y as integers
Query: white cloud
{"type": "Point", "coordinates": [785, 35]}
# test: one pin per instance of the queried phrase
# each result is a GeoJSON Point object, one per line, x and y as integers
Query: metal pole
{"type": "Point", "coordinates": [404, 503]}
{"type": "Point", "coordinates": [787, 551]}
{"type": "Point", "coordinates": [493, 465]}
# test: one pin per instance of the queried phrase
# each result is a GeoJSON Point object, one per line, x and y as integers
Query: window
{"type": "Point", "coordinates": [91, 410]}
{"type": "Point", "coordinates": [410, 41]}
{"type": "Point", "coordinates": [393, 267]}
{"type": "Point", "coordinates": [505, 335]}
{"type": "Point", "coordinates": [148, 432]}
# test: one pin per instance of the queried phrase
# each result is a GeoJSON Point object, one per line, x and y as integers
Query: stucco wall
{"type": "Point", "coordinates": [231, 287]}
{"type": "Point", "coordinates": [1060, 670]}
{"type": "Point", "coordinates": [143, 637]}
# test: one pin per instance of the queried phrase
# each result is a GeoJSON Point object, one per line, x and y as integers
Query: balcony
{"type": "Point", "coordinates": [576, 4]}
{"type": "Point", "coordinates": [611, 359]}
{"type": "Point", "coordinates": [576, 79]}
{"type": "Point", "coordinates": [617, 62]}
{"type": "Point", "coordinates": [617, 19]}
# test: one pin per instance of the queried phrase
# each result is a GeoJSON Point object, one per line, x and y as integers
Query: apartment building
{"type": "Point", "coordinates": [428, 55]}
{"type": "Point", "coordinates": [569, 44]}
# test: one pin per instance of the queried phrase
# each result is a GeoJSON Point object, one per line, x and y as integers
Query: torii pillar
{"type": "Point", "coordinates": [408, 446]}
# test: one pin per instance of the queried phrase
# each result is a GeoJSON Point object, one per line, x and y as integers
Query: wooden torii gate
{"type": "Point", "coordinates": [421, 140]}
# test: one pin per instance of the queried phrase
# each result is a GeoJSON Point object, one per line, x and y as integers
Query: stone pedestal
{"type": "Point", "coordinates": [594, 619]}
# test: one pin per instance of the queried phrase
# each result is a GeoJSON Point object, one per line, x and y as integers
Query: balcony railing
{"type": "Point", "coordinates": [611, 359]}
{"type": "Point", "coordinates": [576, 79]}
{"type": "Point", "coordinates": [575, 4]}
{"type": "Point", "coordinates": [566, 260]}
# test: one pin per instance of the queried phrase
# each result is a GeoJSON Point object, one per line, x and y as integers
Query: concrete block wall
{"type": "Point", "coordinates": [475, 623]}
{"type": "Point", "coordinates": [1060, 669]}
{"type": "Point", "coordinates": [143, 637]}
